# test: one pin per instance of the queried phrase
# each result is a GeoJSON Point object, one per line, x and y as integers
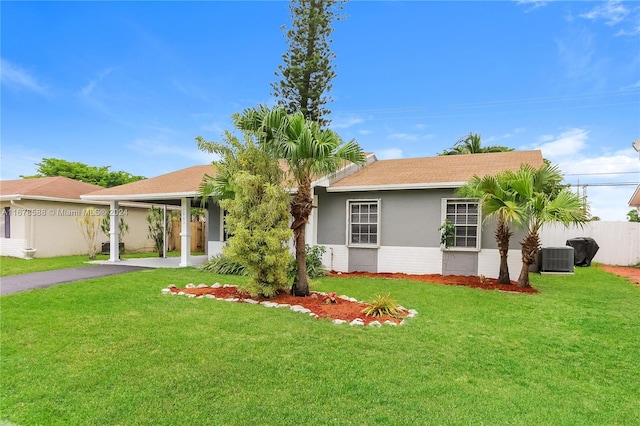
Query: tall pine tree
{"type": "Point", "coordinates": [305, 76]}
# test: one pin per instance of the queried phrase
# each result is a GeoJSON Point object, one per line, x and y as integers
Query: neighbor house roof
{"type": "Point", "coordinates": [178, 184]}
{"type": "Point", "coordinates": [57, 188]}
{"type": "Point", "coordinates": [447, 171]}
{"type": "Point", "coordinates": [635, 198]}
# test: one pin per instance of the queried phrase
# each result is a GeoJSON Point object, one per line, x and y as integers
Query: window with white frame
{"type": "Point", "coordinates": [224, 232]}
{"type": "Point", "coordinates": [364, 222]}
{"type": "Point", "coordinates": [5, 223]}
{"type": "Point", "coordinates": [465, 216]}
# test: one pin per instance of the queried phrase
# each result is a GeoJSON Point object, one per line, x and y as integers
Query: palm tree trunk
{"type": "Point", "coordinates": [523, 279]}
{"type": "Point", "coordinates": [530, 247]}
{"type": "Point", "coordinates": [301, 208]}
{"type": "Point", "coordinates": [503, 234]}
{"type": "Point", "coordinates": [301, 287]}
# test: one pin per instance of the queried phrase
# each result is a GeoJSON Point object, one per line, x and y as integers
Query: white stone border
{"type": "Point", "coordinates": [294, 308]}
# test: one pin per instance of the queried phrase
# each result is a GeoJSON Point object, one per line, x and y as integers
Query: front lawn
{"type": "Point", "coordinates": [116, 351]}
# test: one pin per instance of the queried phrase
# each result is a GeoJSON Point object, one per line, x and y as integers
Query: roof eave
{"type": "Point", "coordinates": [142, 197]}
{"type": "Point", "coordinates": [636, 193]}
{"type": "Point", "coordinates": [396, 187]}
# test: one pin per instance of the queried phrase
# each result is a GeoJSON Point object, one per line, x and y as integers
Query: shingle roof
{"type": "Point", "coordinates": [433, 171]}
{"type": "Point", "coordinates": [180, 183]}
{"type": "Point", "coordinates": [46, 187]}
{"type": "Point", "coordinates": [635, 198]}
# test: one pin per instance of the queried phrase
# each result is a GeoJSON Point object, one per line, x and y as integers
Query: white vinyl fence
{"type": "Point", "coordinates": [619, 242]}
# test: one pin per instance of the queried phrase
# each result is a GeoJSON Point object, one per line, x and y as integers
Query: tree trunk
{"type": "Point", "coordinates": [301, 207]}
{"type": "Point", "coordinates": [530, 247]}
{"type": "Point", "coordinates": [523, 279]}
{"type": "Point", "coordinates": [503, 234]}
{"type": "Point", "coordinates": [301, 287]}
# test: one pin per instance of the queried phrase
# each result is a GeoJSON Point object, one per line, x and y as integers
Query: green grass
{"type": "Point", "coordinates": [116, 351]}
{"type": "Point", "coordinates": [15, 266]}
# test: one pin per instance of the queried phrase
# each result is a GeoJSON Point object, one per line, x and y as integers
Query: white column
{"type": "Point", "coordinates": [185, 233]}
{"type": "Point", "coordinates": [114, 238]}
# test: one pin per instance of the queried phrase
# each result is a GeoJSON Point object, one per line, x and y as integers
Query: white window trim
{"type": "Point", "coordinates": [222, 236]}
{"type": "Point", "coordinates": [443, 216]}
{"type": "Point", "coordinates": [348, 224]}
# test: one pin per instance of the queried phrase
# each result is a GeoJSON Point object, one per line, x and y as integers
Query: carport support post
{"type": "Point", "coordinates": [114, 219]}
{"type": "Point", "coordinates": [185, 233]}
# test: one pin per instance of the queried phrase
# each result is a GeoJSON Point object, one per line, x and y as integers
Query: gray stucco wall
{"type": "Point", "coordinates": [409, 218]}
{"type": "Point", "coordinates": [488, 239]}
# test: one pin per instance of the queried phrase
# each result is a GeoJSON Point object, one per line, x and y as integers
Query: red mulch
{"type": "Point", "coordinates": [347, 310]}
{"type": "Point", "coordinates": [467, 281]}
{"type": "Point", "coordinates": [343, 309]}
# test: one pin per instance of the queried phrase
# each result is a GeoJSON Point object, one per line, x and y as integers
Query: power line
{"type": "Point", "coordinates": [604, 184]}
{"type": "Point", "coordinates": [600, 173]}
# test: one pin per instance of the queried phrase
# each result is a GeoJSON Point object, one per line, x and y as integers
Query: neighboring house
{"type": "Point", "coordinates": [41, 213]}
{"type": "Point", "coordinates": [382, 217]}
{"type": "Point", "coordinates": [635, 198]}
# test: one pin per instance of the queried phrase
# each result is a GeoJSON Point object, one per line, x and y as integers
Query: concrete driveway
{"type": "Point", "coordinates": [15, 283]}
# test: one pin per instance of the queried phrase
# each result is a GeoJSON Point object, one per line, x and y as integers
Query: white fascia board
{"type": "Point", "coordinates": [70, 200]}
{"type": "Point", "coordinates": [395, 187]}
{"type": "Point", "coordinates": [141, 197]}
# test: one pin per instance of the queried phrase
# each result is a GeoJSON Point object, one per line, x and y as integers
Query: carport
{"type": "Point", "coordinates": [179, 188]}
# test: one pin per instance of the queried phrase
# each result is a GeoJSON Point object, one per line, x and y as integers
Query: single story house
{"type": "Point", "coordinates": [382, 217]}
{"type": "Point", "coordinates": [40, 214]}
{"type": "Point", "coordinates": [385, 217]}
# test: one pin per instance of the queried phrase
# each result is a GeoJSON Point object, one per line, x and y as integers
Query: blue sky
{"type": "Point", "coordinates": [132, 84]}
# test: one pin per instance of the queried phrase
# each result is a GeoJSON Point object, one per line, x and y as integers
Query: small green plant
{"type": "Point", "coordinates": [314, 263]}
{"type": "Point", "coordinates": [447, 233]}
{"type": "Point", "coordinates": [155, 221]}
{"type": "Point", "coordinates": [220, 264]}
{"type": "Point", "coordinates": [382, 305]}
{"type": "Point", "coordinates": [105, 226]}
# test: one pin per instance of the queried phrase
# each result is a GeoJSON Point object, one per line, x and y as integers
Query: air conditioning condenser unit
{"type": "Point", "coordinates": [557, 259]}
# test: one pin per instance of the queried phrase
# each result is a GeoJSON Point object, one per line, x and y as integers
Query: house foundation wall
{"type": "Point", "coordinates": [489, 263]}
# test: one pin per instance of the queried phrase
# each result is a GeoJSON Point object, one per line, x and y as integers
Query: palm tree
{"type": "Point", "coordinates": [500, 203]}
{"type": "Point", "coordinates": [541, 199]}
{"type": "Point", "coordinates": [310, 152]}
{"type": "Point", "coordinates": [471, 144]}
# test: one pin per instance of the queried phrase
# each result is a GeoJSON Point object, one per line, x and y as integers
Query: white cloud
{"type": "Point", "coordinates": [610, 203]}
{"type": "Point", "coordinates": [403, 136]}
{"type": "Point", "coordinates": [18, 78]}
{"type": "Point", "coordinates": [533, 4]}
{"type": "Point", "coordinates": [611, 12]}
{"type": "Point", "coordinates": [346, 122]}
{"type": "Point", "coordinates": [584, 163]}
{"type": "Point", "coordinates": [389, 154]}
{"type": "Point", "coordinates": [157, 147]}
{"type": "Point", "coordinates": [189, 89]}
{"type": "Point", "coordinates": [566, 144]}
{"type": "Point", "coordinates": [365, 132]}
{"type": "Point", "coordinates": [88, 89]}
